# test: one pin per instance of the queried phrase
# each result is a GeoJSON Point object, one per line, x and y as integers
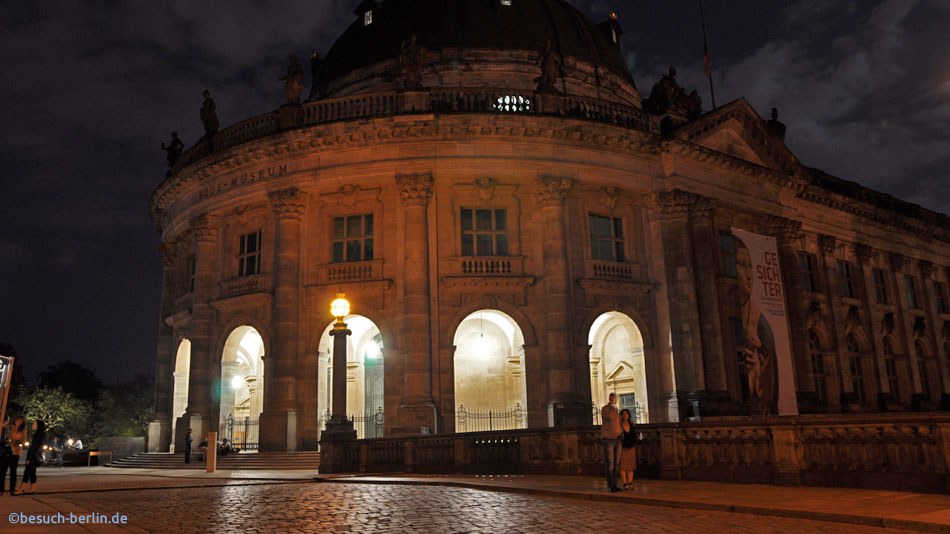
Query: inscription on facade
{"type": "Point", "coordinates": [253, 177]}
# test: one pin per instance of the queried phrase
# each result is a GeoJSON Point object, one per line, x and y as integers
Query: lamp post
{"type": "Point", "coordinates": [339, 423]}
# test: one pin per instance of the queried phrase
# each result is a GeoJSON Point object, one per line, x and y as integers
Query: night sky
{"type": "Point", "coordinates": [91, 89]}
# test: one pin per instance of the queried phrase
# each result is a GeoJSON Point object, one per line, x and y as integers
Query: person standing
{"type": "Point", "coordinates": [33, 458]}
{"type": "Point", "coordinates": [611, 432]}
{"type": "Point", "coordinates": [188, 447]}
{"type": "Point", "coordinates": [16, 436]}
{"type": "Point", "coordinates": [628, 451]}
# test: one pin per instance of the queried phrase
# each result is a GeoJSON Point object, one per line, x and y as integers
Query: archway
{"type": "Point", "coordinates": [180, 384]}
{"type": "Point", "coordinates": [617, 365]}
{"type": "Point", "coordinates": [489, 365]}
{"type": "Point", "coordinates": [364, 371]}
{"type": "Point", "coordinates": [242, 387]}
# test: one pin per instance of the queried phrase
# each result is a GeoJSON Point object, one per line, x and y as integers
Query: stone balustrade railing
{"type": "Point", "coordinates": [899, 452]}
{"type": "Point", "coordinates": [439, 100]}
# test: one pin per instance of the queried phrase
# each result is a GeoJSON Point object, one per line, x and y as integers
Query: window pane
{"type": "Point", "coordinates": [466, 220]}
{"type": "Point", "coordinates": [354, 226]}
{"type": "Point", "coordinates": [353, 250]}
{"type": "Point", "coordinates": [338, 252]}
{"type": "Point", "coordinates": [368, 250]}
{"type": "Point", "coordinates": [368, 220]}
{"type": "Point", "coordinates": [620, 256]}
{"type": "Point", "coordinates": [484, 244]}
{"type": "Point", "coordinates": [483, 220]}
{"type": "Point", "coordinates": [252, 242]}
{"type": "Point", "coordinates": [501, 245]}
{"type": "Point", "coordinates": [338, 228]}
{"type": "Point", "coordinates": [618, 228]}
{"type": "Point", "coordinates": [468, 248]}
{"type": "Point", "coordinates": [501, 219]}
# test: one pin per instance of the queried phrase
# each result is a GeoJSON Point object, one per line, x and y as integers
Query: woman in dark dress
{"type": "Point", "coordinates": [33, 457]}
{"type": "Point", "coordinates": [16, 436]}
{"type": "Point", "coordinates": [628, 451]}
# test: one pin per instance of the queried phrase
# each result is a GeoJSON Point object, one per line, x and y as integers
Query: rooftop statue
{"type": "Point", "coordinates": [209, 116]}
{"type": "Point", "coordinates": [668, 97]}
{"type": "Point", "coordinates": [547, 81]}
{"type": "Point", "coordinates": [775, 126]}
{"type": "Point", "coordinates": [173, 150]}
{"type": "Point", "coordinates": [410, 60]}
{"type": "Point", "coordinates": [293, 81]}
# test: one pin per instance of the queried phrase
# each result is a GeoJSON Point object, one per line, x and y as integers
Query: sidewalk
{"type": "Point", "coordinates": [892, 509]}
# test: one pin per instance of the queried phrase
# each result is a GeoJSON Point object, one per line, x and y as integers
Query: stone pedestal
{"type": "Point", "coordinates": [338, 437]}
{"type": "Point", "coordinates": [569, 413]}
{"type": "Point", "coordinates": [416, 417]}
{"type": "Point", "coordinates": [278, 431]}
{"type": "Point", "coordinates": [159, 435]}
{"type": "Point", "coordinates": [289, 116]}
{"type": "Point", "coordinates": [416, 101]}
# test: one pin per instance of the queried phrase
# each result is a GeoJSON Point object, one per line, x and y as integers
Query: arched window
{"type": "Point", "coordinates": [817, 366]}
{"type": "Point", "coordinates": [921, 353]}
{"type": "Point", "coordinates": [890, 367]}
{"type": "Point", "coordinates": [857, 369]}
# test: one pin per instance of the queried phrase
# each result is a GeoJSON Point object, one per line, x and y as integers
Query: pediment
{"type": "Point", "coordinates": [729, 140]}
{"type": "Point", "coordinates": [618, 371]}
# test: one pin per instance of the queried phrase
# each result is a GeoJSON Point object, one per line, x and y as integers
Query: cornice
{"type": "Point", "coordinates": [487, 281]}
{"type": "Point", "coordinates": [625, 287]}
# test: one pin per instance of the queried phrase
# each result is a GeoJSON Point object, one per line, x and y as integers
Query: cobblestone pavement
{"type": "Point", "coordinates": [325, 507]}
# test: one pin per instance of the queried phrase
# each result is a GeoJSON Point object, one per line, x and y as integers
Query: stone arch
{"type": "Point", "coordinates": [588, 321]}
{"type": "Point", "coordinates": [618, 363]}
{"type": "Point", "coordinates": [241, 379]}
{"type": "Point", "coordinates": [488, 369]}
{"type": "Point", "coordinates": [180, 379]}
{"type": "Point", "coordinates": [524, 322]}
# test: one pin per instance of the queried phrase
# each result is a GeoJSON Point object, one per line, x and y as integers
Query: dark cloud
{"type": "Point", "coordinates": [92, 88]}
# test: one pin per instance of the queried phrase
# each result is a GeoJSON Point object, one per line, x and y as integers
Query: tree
{"type": "Point", "coordinates": [125, 409]}
{"type": "Point", "coordinates": [73, 378]}
{"type": "Point", "coordinates": [62, 412]}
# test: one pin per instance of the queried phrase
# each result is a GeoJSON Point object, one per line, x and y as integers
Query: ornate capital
{"type": "Point", "coordinates": [827, 243]}
{"type": "Point", "coordinates": [552, 190]}
{"type": "Point", "coordinates": [781, 229]}
{"type": "Point", "coordinates": [205, 228]}
{"type": "Point", "coordinates": [897, 261]}
{"type": "Point", "coordinates": [289, 203]}
{"type": "Point", "coordinates": [677, 202]}
{"type": "Point", "coordinates": [415, 189]}
{"type": "Point", "coordinates": [863, 252]}
{"type": "Point", "coordinates": [926, 269]}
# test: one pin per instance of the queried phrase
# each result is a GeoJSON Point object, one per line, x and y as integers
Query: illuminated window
{"type": "Point", "coordinates": [484, 232]}
{"type": "Point", "coordinates": [880, 286]}
{"type": "Point", "coordinates": [513, 103]}
{"type": "Point", "coordinates": [368, 18]}
{"type": "Point", "coordinates": [606, 238]}
{"type": "Point", "coordinates": [808, 265]}
{"type": "Point", "coordinates": [249, 254]}
{"type": "Point", "coordinates": [353, 238]}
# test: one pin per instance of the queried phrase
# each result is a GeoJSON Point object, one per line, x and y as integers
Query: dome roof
{"type": "Point", "coordinates": [476, 24]}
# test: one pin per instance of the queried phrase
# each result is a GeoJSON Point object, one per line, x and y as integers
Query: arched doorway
{"type": "Point", "coordinates": [489, 368]}
{"type": "Point", "coordinates": [242, 387]}
{"type": "Point", "coordinates": [364, 372]}
{"type": "Point", "coordinates": [617, 365]}
{"type": "Point", "coordinates": [180, 385]}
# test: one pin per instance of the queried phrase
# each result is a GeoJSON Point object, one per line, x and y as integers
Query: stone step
{"type": "Point", "coordinates": [268, 460]}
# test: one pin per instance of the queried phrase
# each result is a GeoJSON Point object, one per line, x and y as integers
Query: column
{"type": "Point", "coordinates": [563, 405]}
{"type": "Point", "coordinates": [929, 304]}
{"type": "Point", "coordinates": [278, 430]}
{"type": "Point", "coordinates": [705, 240]}
{"type": "Point", "coordinates": [417, 412]}
{"type": "Point", "coordinates": [902, 336]}
{"type": "Point", "coordinates": [197, 415]}
{"type": "Point", "coordinates": [159, 428]}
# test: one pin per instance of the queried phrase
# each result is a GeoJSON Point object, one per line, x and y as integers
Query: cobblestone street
{"type": "Point", "coordinates": [327, 507]}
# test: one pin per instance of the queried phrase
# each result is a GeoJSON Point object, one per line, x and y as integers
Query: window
{"type": "Point", "coordinates": [484, 232]}
{"type": "Point", "coordinates": [857, 372]}
{"type": "Point", "coordinates": [880, 286]}
{"type": "Point", "coordinates": [940, 294]}
{"type": "Point", "coordinates": [846, 279]}
{"type": "Point", "coordinates": [890, 367]}
{"type": "Point", "coordinates": [727, 254]}
{"type": "Point", "coordinates": [249, 254]}
{"type": "Point", "coordinates": [808, 265]}
{"type": "Point", "coordinates": [368, 18]}
{"type": "Point", "coordinates": [516, 103]}
{"type": "Point", "coordinates": [606, 238]}
{"type": "Point", "coordinates": [352, 238]}
{"type": "Point", "coordinates": [921, 354]}
{"type": "Point", "coordinates": [817, 366]}
{"type": "Point", "coordinates": [910, 288]}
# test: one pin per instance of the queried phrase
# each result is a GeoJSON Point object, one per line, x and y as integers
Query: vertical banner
{"type": "Point", "coordinates": [768, 353]}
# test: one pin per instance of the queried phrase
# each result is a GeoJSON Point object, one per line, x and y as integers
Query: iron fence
{"type": "Point", "coordinates": [489, 420]}
{"type": "Point", "coordinates": [366, 425]}
{"type": "Point", "coordinates": [636, 411]}
{"type": "Point", "coordinates": [243, 434]}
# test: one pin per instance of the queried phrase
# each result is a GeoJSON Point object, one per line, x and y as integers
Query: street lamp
{"type": "Point", "coordinates": [338, 422]}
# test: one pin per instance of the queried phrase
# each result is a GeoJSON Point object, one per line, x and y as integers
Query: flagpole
{"type": "Point", "coordinates": [707, 64]}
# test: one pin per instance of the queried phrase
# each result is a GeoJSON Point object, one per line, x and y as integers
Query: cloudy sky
{"type": "Point", "coordinates": [91, 89]}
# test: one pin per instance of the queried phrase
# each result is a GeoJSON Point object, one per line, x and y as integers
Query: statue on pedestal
{"type": "Point", "coordinates": [293, 81]}
{"type": "Point", "coordinates": [173, 150]}
{"type": "Point", "coordinates": [547, 81]}
{"type": "Point", "coordinates": [410, 60]}
{"type": "Point", "coordinates": [209, 116]}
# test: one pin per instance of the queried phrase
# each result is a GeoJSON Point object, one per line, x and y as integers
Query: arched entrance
{"type": "Point", "coordinates": [489, 373]}
{"type": "Point", "coordinates": [364, 372]}
{"type": "Point", "coordinates": [242, 387]}
{"type": "Point", "coordinates": [180, 385]}
{"type": "Point", "coordinates": [617, 365]}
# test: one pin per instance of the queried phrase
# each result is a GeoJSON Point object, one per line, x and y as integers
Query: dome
{"type": "Point", "coordinates": [440, 25]}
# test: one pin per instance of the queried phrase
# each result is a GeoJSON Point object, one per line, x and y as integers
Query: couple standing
{"type": "Point", "coordinates": [619, 432]}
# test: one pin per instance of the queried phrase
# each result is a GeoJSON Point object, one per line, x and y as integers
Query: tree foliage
{"type": "Point", "coordinates": [62, 412]}
{"type": "Point", "coordinates": [125, 409]}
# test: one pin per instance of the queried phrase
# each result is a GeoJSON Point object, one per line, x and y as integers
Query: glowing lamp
{"type": "Point", "coordinates": [236, 382]}
{"type": "Point", "coordinates": [340, 307]}
{"type": "Point", "coordinates": [372, 351]}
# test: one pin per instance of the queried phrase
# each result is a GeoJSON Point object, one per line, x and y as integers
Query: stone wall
{"type": "Point", "coordinates": [901, 452]}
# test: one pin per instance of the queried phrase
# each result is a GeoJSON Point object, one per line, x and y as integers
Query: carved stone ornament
{"type": "Point", "coordinates": [897, 261]}
{"type": "Point", "coordinates": [415, 189]}
{"type": "Point", "coordinates": [863, 253]}
{"type": "Point", "coordinates": [609, 197]}
{"type": "Point", "coordinates": [485, 189]}
{"type": "Point", "coordinates": [675, 202]}
{"type": "Point", "coordinates": [552, 190]}
{"type": "Point", "coordinates": [926, 269]}
{"type": "Point", "coordinates": [205, 228]}
{"type": "Point", "coordinates": [349, 195]}
{"type": "Point", "coordinates": [781, 228]}
{"type": "Point", "coordinates": [289, 203]}
{"type": "Point", "coordinates": [827, 243]}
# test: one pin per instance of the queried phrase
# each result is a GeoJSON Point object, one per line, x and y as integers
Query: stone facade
{"type": "Point", "coordinates": [379, 193]}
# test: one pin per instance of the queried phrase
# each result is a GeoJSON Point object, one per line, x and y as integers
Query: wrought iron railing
{"type": "Point", "coordinates": [242, 433]}
{"type": "Point", "coordinates": [489, 420]}
{"type": "Point", "coordinates": [637, 413]}
{"type": "Point", "coordinates": [367, 425]}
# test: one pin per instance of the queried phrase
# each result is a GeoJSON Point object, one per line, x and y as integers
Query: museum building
{"type": "Point", "coordinates": [520, 232]}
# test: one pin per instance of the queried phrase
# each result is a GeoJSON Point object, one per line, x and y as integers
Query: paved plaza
{"type": "Point", "coordinates": [292, 501]}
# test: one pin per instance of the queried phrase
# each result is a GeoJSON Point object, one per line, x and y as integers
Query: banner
{"type": "Point", "coordinates": [768, 353]}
